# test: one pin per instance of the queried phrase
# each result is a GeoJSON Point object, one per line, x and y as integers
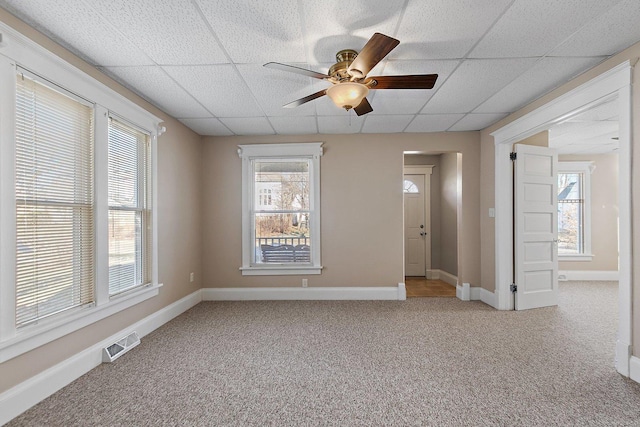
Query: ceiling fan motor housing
{"type": "Point", "coordinates": [344, 58]}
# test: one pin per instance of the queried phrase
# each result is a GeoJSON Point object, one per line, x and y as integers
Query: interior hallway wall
{"type": "Point", "coordinates": [449, 213]}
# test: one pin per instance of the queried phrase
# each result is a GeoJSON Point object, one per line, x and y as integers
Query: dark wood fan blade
{"type": "Point", "coordinates": [373, 52]}
{"type": "Point", "coordinates": [306, 99]}
{"type": "Point", "coordinates": [422, 81]}
{"type": "Point", "coordinates": [363, 108]}
{"type": "Point", "coordinates": [297, 70]}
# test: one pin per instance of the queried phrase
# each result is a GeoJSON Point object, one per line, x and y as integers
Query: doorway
{"type": "Point", "coordinates": [432, 212]}
{"type": "Point", "coordinates": [613, 85]}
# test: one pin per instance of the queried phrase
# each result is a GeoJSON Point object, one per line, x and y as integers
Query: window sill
{"type": "Point", "coordinates": [280, 270]}
{"type": "Point", "coordinates": [36, 335]}
{"type": "Point", "coordinates": [576, 257]}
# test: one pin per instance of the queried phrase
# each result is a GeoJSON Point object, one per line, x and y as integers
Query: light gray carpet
{"type": "Point", "coordinates": [435, 361]}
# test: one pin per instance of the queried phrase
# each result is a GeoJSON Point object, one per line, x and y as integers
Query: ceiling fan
{"type": "Point", "coordinates": [350, 83]}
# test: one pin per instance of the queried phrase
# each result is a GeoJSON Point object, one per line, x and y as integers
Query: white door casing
{"type": "Point", "coordinates": [536, 226]}
{"type": "Point", "coordinates": [612, 84]}
{"type": "Point", "coordinates": [417, 220]}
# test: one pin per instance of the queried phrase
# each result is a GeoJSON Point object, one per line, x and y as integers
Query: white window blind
{"type": "Point", "coordinates": [129, 212]}
{"type": "Point", "coordinates": [54, 201]}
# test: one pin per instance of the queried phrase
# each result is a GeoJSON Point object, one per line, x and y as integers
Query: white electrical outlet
{"type": "Point", "coordinates": [192, 277]}
{"type": "Point", "coordinates": [305, 282]}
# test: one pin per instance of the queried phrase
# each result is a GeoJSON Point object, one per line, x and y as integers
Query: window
{"type": "Point", "coordinates": [77, 229]}
{"type": "Point", "coordinates": [574, 227]}
{"type": "Point", "coordinates": [129, 213]}
{"type": "Point", "coordinates": [281, 208]}
{"type": "Point", "coordinates": [54, 201]}
{"type": "Point", "coordinates": [410, 187]}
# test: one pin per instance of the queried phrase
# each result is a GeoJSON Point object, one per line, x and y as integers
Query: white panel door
{"type": "Point", "coordinates": [536, 227]}
{"type": "Point", "coordinates": [415, 232]}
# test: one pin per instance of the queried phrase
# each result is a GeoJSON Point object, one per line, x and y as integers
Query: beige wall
{"type": "Point", "coordinates": [362, 212]}
{"type": "Point", "coordinates": [604, 213]}
{"type": "Point", "coordinates": [179, 216]}
{"type": "Point", "coordinates": [449, 213]}
{"type": "Point", "coordinates": [487, 176]}
{"type": "Point", "coordinates": [540, 139]}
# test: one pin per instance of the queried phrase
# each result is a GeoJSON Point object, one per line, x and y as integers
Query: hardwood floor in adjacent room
{"type": "Point", "coordinates": [423, 287]}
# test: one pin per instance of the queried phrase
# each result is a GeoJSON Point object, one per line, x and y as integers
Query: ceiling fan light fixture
{"type": "Point", "coordinates": [347, 95]}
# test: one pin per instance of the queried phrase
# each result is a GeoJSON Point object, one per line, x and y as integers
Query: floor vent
{"type": "Point", "coordinates": [120, 347]}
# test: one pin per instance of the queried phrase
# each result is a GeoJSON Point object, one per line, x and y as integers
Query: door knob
{"type": "Point", "coordinates": [422, 233]}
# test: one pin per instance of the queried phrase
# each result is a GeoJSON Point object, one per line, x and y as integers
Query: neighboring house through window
{"type": "Point", "coordinates": [574, 211]}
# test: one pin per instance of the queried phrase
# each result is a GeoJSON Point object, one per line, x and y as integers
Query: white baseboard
{"type": "Point", "coordinates": [634, 368]}
{"type": "Point", "coordinates": [623, 355]}
{"type": "Point", "coordinates": [314, 293]}
{"type": "Point", "coordinates": [442, 275]}
{"type": "Point", "coordinates": [23, 396]}
{"type": "Point", "coordinates": [488, 297]}
{"type": "Point", "coordinates": [466, 292]}
{"type": "Point", "coordinates": [448, 278]}
{"type": "Point", "coordinates": [588, 275]}
{"type": "Point", "coordinates": [402, 292]}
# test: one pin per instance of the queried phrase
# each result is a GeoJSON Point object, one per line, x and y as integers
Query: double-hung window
{"type": "Point", "coordinates": [281, 208]}
{"type": "Point", "coordinates": [129, 206]}
{"type": "Point", "coordinates": [574, 211]}
{"type": "Point", "coordinates": [54, 201]}
{"type": "Point", "coordinates": [77, 229]}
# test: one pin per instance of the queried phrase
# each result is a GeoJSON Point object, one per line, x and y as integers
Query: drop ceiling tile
{"type": "Point", "coordinates": [444, 28]}
{"type": "Point", "coordinates": [544, 76]}
{"type": "Point", "coordinates": [586, 133]}
{"type": "Point", "coordinates": [535, 27]}
{"type": "Point", "coordinates": [169, 31]}
{"type": "Point", "coordinates": [207, 126]}
{"type": "Point", "coordinates": [294, 125]}
{"type": "Point", "coordinates": [332, 25]}
{"type": "Point", "coordinates": [612, 32]}
{"type": "Point", "coordinates": [433, 122]}
{"type": "Point", "coordinates": [346, 123]}
{"type": "Point", "coordinates": [275, 88]}
{"type": "Point", "coordinates": [248, 125]}
{"type": "Point", "coordinates": [385, 123]}
{"type": "Point", "coordinates": [219, 88]}
{"type": "Point", "coordinates": [477, 121]}
{"type": "Point", "coordinates": [584, 137]}
{"type": "Point", "coordinates": [607, 111]}
{"type": "Point", "coordinates": [409, 101]}
{"type": "Point", "coordinates": [153, 84]}
{"type": "Point", "coordinates": [257, 32]}
{"type": "Point", "coordinates": [473, 82]}
{"type": "Point", "coordinates": [399, 101]}
{"type": "Point", "coordinates": [80, 29]}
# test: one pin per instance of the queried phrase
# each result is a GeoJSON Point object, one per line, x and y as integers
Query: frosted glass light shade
{"type": "Point", "coordinates": [347, 95]}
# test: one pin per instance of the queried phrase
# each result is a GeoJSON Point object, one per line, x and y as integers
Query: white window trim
{"type": "Point", "coordinates": [18, 50]}
{"type": "Point", "coordinates": [312, 150]}
{"type": "Point", "coordinates": [586, 168]}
